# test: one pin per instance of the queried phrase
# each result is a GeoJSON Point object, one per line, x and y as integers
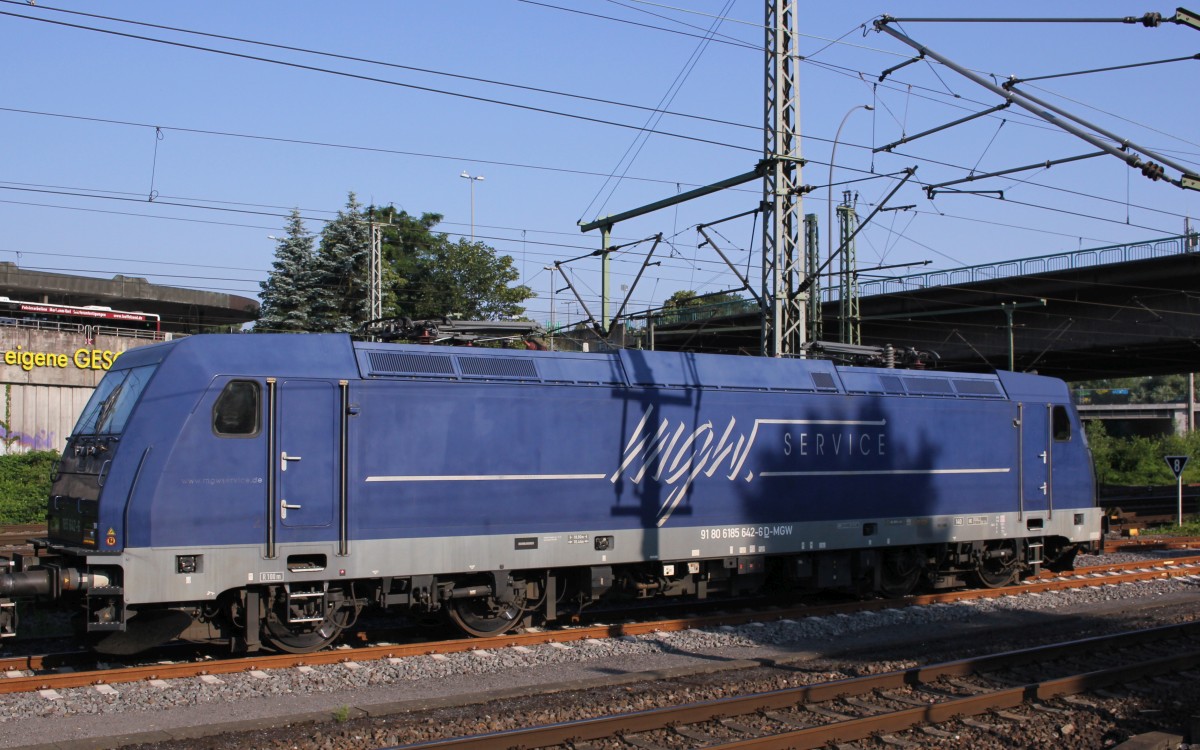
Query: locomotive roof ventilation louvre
{"type": "Point", "coordinates": [929, 386]}
{"type": "Point", "coordinates": [892, 384]}
{"type": "Point", "coordinates": [977, 388]}
{"type": "Point", "coordinates": [406, 363]}
{"type": "Point", "coordinates": [498, 367]}
{"type": "Point", "coordinates": [824, 381]}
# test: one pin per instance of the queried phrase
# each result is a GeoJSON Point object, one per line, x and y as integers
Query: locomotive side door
{"type": "Point", "coordinates": [1037, 488]}
{"type": "Point", "coordinates": [306, 458]}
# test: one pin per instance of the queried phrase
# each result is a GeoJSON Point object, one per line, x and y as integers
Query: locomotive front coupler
{"type": "Point", "coordinates": [47, 581]}
{"type": "Point", "coordinates": [50, 581]}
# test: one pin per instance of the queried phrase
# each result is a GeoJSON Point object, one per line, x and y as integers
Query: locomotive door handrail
{"type": "Point", "coordinates": [343, 478]}
{"type": "Point", "coordinates": [1020, 462]}
{"type": "Point", "coordinates": [102, 475]}
{"type": "Point", "coordinates": [1049, 460]}
{"type": "Point", "coordinates": [272, 441]}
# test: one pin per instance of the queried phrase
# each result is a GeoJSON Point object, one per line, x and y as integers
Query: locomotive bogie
{"type": "Point", "coordinates": [268, 489]}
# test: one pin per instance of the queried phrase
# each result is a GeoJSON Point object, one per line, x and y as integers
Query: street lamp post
{"type": "Point", "coordinates": [829, 207]}
{"type": "Point", "coordinates": [551, 269]}
{"type": "Point", "coordinates": [472, 180]}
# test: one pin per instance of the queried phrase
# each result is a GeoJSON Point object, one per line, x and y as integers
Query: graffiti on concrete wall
{"type": "Point", "coordinates": [16, 441]}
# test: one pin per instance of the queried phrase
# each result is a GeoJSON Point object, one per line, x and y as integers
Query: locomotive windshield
{"type": "Point", "coordinates": [113, 400]}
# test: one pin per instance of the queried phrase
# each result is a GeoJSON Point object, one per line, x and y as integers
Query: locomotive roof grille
{"type": "Point", "coordinates": [585, 370]}
{"type": "Point", "coordinates": [929, 386]}
{"type": "Point", "coordinates": [977, 388]}
{"type": "Point", "coordinates": [824, 381]}
{"type": "Point", "coordinates": [892, 384]}
{"type": "Point", "coordinates": [498, 367]}
{"type": "Point", "coordinates": [404, 363]}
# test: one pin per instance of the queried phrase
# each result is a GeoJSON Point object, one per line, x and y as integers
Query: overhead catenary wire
{"type": "Point", "coordinates": [635, 148]}
{"type": "Point", "coordinates": [1122, 148]}
{"type": "Point", "coordinates": [1034, 121]}
{"type": "Point", "coordinates": [1128, 66]}
{"type": "Point", "coordinates": [446, 73]}
{"type": "Point", "coordinates": [1114, 115]}
{"type": "Point", "coordinates": [412, 68]}
{"type": "Point", "coordinates": [1041, 207]}
{"type": "Point", "coordinates": [381, 150]}
{"type": "Point", "coordinates": [384, 81]}
{"type": "Point", "coordinates": [1021, 227]}
{"type": "Point", "coordinates": [241, 135]}
{"type": "Point", "coordinates": [925, 246]}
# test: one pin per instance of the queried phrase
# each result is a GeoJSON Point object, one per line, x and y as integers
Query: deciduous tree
{"type": "Point", "coordinates": [425, 274]}
{"type": "Point", "coordinates": [430, 275]}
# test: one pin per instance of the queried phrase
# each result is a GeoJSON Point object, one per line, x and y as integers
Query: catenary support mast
{"type": "Point", "coordinates": [783, 325]}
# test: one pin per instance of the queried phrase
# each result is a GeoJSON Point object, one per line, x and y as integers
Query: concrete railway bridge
{"type": "Point", "coordinates": [1115, 311]}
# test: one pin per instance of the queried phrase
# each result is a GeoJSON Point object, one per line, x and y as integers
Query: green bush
{"type": "Point", "coordinates": [1140, 460]}
{"type": "Point", "coordinates": [25, 486]}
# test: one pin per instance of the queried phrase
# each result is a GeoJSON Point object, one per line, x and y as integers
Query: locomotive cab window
{"type": "Point", "coordinates": [236, 412]}
{"type": "Point", "coordinates": [1061, 424]}
{"type": "Point", "coordinates": [113, 400]}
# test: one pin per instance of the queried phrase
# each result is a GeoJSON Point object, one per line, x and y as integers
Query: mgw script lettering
{"type": "Point", "coordinates": [682, 457]}
{"type": "Point", "coordinates": [679, 457]}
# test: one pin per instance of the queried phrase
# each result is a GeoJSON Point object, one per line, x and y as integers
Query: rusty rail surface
{"type": "Point", "coordinates": [1183, 654]}
{"type": "Point", "coordinates": [1101, 575]}
{"type": "Point", "coordinates": [17, 536]}
{"type": "Point", "coordinates": [1148, 543]}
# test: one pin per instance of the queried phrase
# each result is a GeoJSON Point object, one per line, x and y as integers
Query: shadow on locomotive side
{"type": "Point", "coordinates": [265, 490]}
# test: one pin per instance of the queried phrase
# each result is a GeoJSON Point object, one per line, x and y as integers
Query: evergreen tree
{"type": "Point", "coordinates": [287, 293]}
{"type": "Point", "coordinates": [425, 274]}
{"type": "Point", "coordinates": [339, 302]}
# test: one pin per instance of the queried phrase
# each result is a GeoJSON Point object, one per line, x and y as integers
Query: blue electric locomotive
{"type": "Point", "coordinates": [264, 489]}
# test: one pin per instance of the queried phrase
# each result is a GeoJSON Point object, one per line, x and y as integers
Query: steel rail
{"type": "Point", "coordinates": [955, 708]}
{"type": "Point", "coordinates": [1083, 578]}
{"type": "Point", "coordinates": [664, 718]}
{"type": "Point", "coordinates": [1152, 543]}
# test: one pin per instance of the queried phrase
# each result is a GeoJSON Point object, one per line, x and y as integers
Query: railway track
{"type": "Point", "coordinates": [1002, 685]}
{"type": "Point", "coordinates": [79, 669]}
{"type": "Point", "coordinates": [15, 537]}
{"type": "Point", "coordinates": [1147, 543]}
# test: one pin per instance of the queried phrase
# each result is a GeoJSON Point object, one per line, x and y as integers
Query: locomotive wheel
{"type": "Point", "coordinates": [304, 637]}
{"type": "Point", "coordinates": [301, 638]}
{"type": "Point", "coordinates": [900, 573]}
{"type": "Point", "coordinates": [477, 618]}
{"type": "Point", "coordinates": [1059, 559]}
{"type": "Point", "coordinates": [993, 573]}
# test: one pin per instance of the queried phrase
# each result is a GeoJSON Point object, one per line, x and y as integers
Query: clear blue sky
{"type": "Point", "coordinates": [544, 172]}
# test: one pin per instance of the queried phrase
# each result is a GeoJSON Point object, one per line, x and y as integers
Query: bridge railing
{"type": "Point", "coordinates": [87, 330]}
{"type": "Point", "coordinates": [1178, 245]}
{"type": "Point", "coordinates": [674, 315]}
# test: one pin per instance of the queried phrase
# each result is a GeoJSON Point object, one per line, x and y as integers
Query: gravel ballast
{"type": "Point", "coordinates": [160, 712]}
